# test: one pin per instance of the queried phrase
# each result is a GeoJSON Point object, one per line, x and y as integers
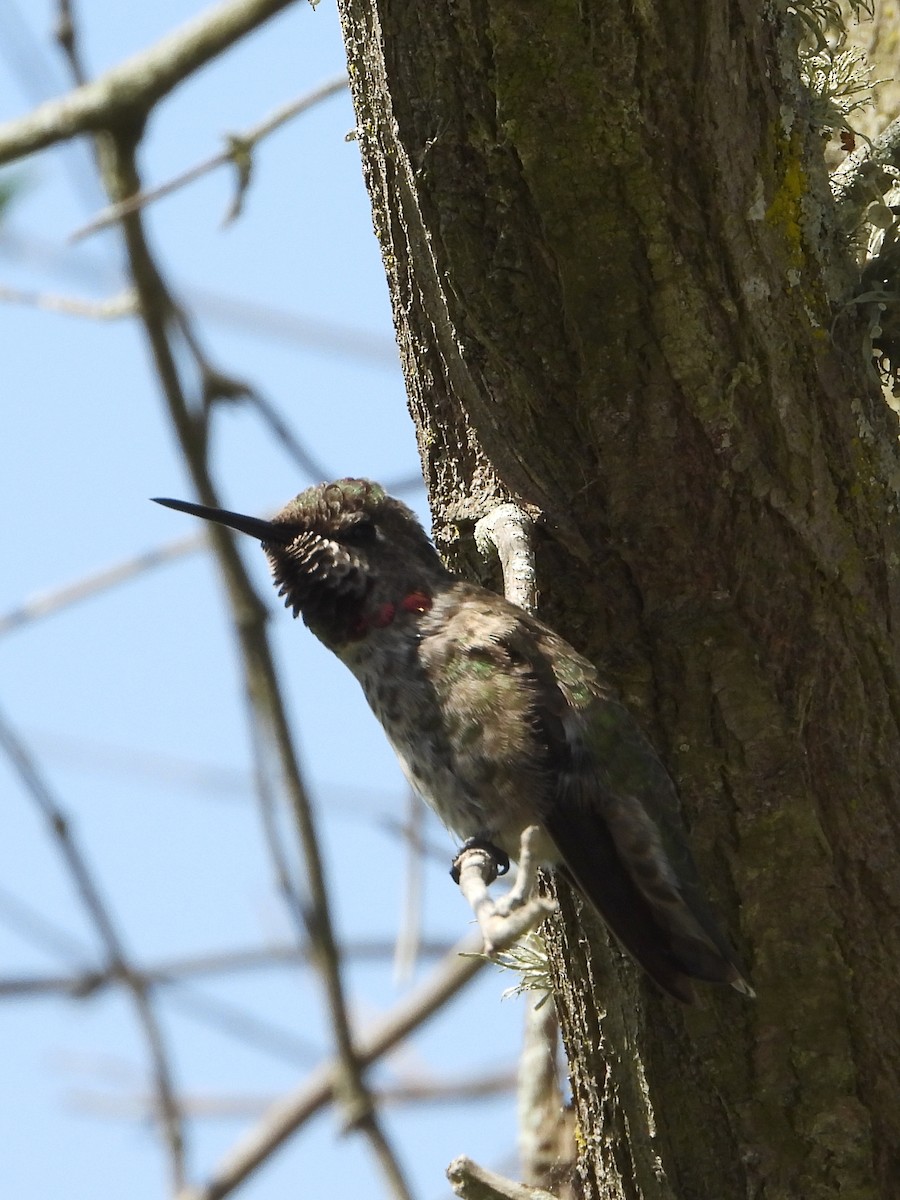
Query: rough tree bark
{"type": "Point", "coordinates": [606, 228]}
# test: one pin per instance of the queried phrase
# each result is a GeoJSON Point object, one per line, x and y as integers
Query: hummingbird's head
{"type": "Point", "coordinates": [335, 548]}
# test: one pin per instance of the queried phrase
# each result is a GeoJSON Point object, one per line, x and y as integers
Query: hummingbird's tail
{"type": "Point", "coordinates": [673, 939]}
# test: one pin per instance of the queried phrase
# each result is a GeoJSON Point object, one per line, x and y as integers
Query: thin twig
{"type": "Point", "coordinates": [161, 319]}
{"type": "Point", "coordinates": [64, 33]}
{"type": "Point", "coordinates": [290, 1113]}
{"type": "Point", "coordinates": [547, 1150]}
{"type": "Point", "coordinates": [97, 910]}
{"type": "Point", "coordinates": [410, 932]}
{"type": "Point", "coordinates": [239, 144]}
{"type": "Point", "coordinates": [308, 463]}
{"type": "Point", "coordinates": [87, 981]}
{"type": "Point", "coordinates": [506, 530]}
{"type": "Point", "coordinates": [266, 803]}
{"type": "Point", "coordinates": [545, 1135]}
{"type": "Point", "coordinates": [37, 930]}
{"type": "Point", "coordinates": [473, 1182]}
{"type": "Point", "coordinates": [243, 1026]}
{"type": "Point", "coordinates": [113, 309]}
{"type": "Point", "coordinates": [467, 1090]}
{"type": "Point", "coordinates": [47, 603]}
{"type": "Point", "coordinates": [235, 312]}
{"type": "Point", "coordinates": [126, 94]}
{"type": "Point", "coordinates": [218, 387]}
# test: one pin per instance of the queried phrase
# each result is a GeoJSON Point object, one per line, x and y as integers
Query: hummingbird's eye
{"type": "Point", "coordinates": [360, 533]}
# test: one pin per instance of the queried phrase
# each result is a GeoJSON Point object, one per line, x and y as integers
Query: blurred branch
{"type": "Point", "coordinates": [122, 98]}
{"type": "Point", "coordinates": [64, 32]}
{"type": "Point", "coordinates": [97, 910]}
{"type": "Point", "coordinates": [324, 337]}
{"type": "Point", "coordinates": [547, 1149]}
{"type": "Point", "coordinates": [243, 1026]}
{"type": "Point", "coordinates": [305, 459]}
{"type": "Point", "coordinates": [47, 603]}
{"type": "Point", "coordinates": [225, 1107]}
{"type": "Point", "coordinates": [287, 1115]}
{"type": "Point", "coordinates": [34, 927]}
{"type": "Point", "coordinates": [27, 59]}
{"type": "Point", "coordinates": [216, 387]}
{"type": "Point", "coordinates": [428, 848]}
{"type": "Point", "coordinates": [472, 1182]}
{"type": "Point", "coordinates": [163, 322]}
{"type": "Point", "coordinates": [410, 933]}
{"type": "Point", "coordinates": [546, 1141]}
{"type": "Point", "coordinates": [74, 306]}
{"type": "Point", "coordinates": [284, 883]}
{"type": "Point", "coordinates": [85, 982]}
{"type": "Point", "coordinates": [239, 153]}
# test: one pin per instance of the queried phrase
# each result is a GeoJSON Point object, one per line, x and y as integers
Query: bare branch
{"type": "Point", "coordinates": [545, 1139]}
{"type": "Point", "coordinates": [123, 96]}
{"type": "Point", "coordinates": [240, 147]}
{"type": "Point", "coordinates": [215, 1107]}
{"type": "Point", "coordinates": [506, 530]}
{"type": "Point", "coordinates": [34, 927]}
{"type": "Point", "coordinates": [215, 386]}
{"type": "Point", "coordinates": [286, 1116]}
{"type": "Point", "coordinates": [83, 589]}
{"type": "Point", "coordinates": [85, 982]}
{"type": "Point", "coordinates": [547, 1149]}
{"type": "Point", "coordinates": [97, 910]}
{"type": "Point", "coordinates": [282, 432]}
{"type": "Point", "coordinates": [163, 320]}
{"type": "Point", "coordinates": [96, 310]}
{"type": "Point", "coordinates": [472, 1182]}
{"type": "Point", "coordinates": [243, 1026]}
{"type": "Point", "coordinates": [409, 936]}
{"type": "Point", "coordinates": [324, 337]}
{"type": "Point", "coordinates": [67, 41]}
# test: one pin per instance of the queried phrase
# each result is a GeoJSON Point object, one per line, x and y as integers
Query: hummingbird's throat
{"type": "Point", "coordinates": [386, 614]}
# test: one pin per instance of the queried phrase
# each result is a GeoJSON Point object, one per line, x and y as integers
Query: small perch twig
{"type": "Point", "coordinates": [503, 921]}
{"type": "Point", "coordinates": [506, 530]}
{"type": "Point", "coordinates": [472, 1182]}
{"type": "Point", "coordinates": [238, 151]}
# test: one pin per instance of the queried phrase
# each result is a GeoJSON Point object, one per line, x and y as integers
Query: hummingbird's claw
{"type": "Point", "coordinates": [500, 857]}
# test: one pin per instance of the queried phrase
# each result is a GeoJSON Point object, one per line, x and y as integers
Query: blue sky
{"type": "Point", "coordinates": [131, 701]}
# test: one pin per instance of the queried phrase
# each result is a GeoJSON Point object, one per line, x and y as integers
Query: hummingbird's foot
{"type": "Point", "coordinates": [521, 909]}
{"type": "Point", "coordinates": [500, 857]}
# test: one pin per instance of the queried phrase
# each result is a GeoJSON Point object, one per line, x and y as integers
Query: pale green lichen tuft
{"type": "Point", "coordinates": [528, 958]}
{"type": "Point", "coordinates": [839, 82]}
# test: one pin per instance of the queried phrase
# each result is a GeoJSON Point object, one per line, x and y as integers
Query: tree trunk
{"type": "Point", "coordinates": [606, 229]}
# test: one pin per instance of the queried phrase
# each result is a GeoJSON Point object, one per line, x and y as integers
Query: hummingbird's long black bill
{"type": "Point", "coordinates": [265, 531]}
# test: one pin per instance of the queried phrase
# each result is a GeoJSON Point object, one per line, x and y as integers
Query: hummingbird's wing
{"type": "Point", "coordinates": [615, 819]}
{"type": "Point", "coordinates": [532, 733]}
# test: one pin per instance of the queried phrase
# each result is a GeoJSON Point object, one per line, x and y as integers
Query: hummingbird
{"type": "Point", "coordinates": [498, 723]}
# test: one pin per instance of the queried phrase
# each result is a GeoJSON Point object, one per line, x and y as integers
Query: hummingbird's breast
{"type": "Point", "coordinates": [463, 736]}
